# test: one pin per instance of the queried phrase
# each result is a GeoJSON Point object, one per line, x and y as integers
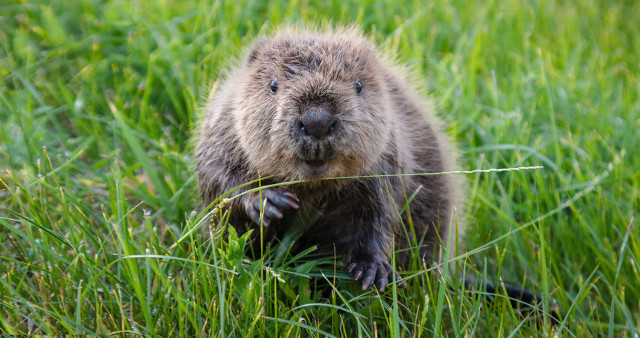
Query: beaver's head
{"type": "Point", "coordinates": [314, 106]}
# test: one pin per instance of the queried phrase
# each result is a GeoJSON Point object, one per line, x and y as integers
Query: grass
{"type": "Point", "coordinates": [100, 222]}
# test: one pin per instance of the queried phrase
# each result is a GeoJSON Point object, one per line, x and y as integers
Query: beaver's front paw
{"type": "Point", "coordinates": [374, 269]}
{"type": "Point", "coordinates": [273, 202]}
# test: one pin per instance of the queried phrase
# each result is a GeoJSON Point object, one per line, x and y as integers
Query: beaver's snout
{"type": "Point", "coordinates": [317, 123]}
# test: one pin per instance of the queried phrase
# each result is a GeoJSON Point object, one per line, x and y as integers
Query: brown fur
{"type": "Point", "coordinates": [387, 129]}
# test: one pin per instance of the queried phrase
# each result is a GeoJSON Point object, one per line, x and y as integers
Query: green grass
{"type": "Point", "coordinates": [100, 223]}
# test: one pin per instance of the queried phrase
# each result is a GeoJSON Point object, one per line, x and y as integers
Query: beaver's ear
{"type": "Point", "coordinates": [255, 51]}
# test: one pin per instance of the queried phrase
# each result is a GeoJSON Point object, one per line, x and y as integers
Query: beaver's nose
{"type": "Point", "coordinates": [317, 123]}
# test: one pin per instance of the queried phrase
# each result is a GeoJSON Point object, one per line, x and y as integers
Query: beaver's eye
{"type": "Point", "coordinates": [274, 86]}
{"type": "Point", "coordinates": [358, 87]}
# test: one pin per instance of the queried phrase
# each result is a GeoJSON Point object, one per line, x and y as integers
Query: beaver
{"type": "Point", "coordinates": [310, 105]}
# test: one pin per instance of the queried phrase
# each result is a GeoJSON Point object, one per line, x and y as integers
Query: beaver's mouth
{"type": "Point", "coordinates": [317, 165]}
{"type": "Point", "coordinates": [316, 158]}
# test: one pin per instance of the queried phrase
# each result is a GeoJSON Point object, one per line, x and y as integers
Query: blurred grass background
{"type": "Point", "coordinates": [98, 100]}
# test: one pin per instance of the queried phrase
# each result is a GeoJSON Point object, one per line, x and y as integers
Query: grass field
{"type": "Point", "coordinates": [100, 219]}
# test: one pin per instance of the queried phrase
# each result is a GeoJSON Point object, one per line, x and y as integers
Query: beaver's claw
{"type": "Point", "coordinates": [272, 202]}
{"type": "Point", "coordinates": [373, 271]}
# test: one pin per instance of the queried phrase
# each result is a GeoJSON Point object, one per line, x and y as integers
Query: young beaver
{"type": "Point", "coordinates": [308, 105]}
